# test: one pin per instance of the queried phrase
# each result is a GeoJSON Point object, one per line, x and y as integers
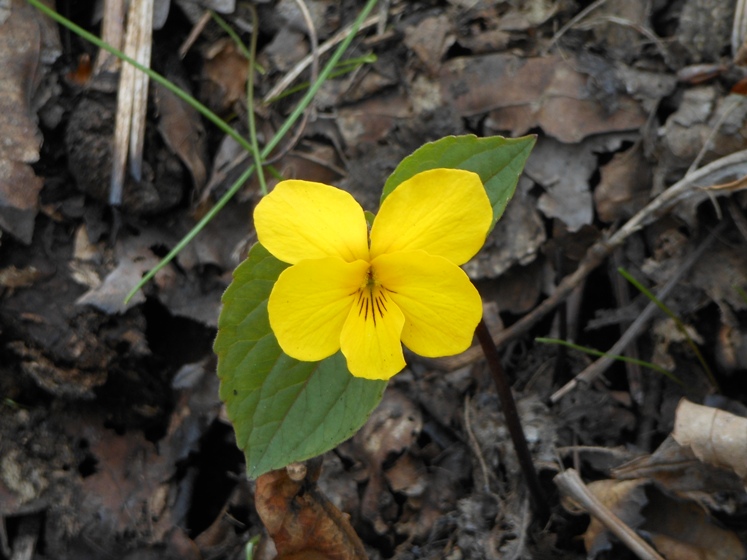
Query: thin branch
{"type": "Point", "coordinates": [571, 486]}
{"type": "Point", "coordinates": [602, 364]}
{"type": "Point", "coordinates": [513, 422]}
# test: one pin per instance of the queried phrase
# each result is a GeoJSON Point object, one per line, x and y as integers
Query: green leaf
{"type": "Point", "coordinates": [282, 410]}
{"type": "Point", "coordinates": [497, 160]}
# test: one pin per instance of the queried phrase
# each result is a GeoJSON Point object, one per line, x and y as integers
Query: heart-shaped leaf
{"type": "Point", "coordinates": [282, 410]}
{"type": "Point", "coordinates": [498, 161]}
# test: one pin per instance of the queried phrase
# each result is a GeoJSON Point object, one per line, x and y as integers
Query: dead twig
{"type": "Point", "coordinates": [197, 28]}
{"type": "Point", "coordinates": [600, 366]}
{"type": "Point", "coordinates": [739, 27]}
{"type": "Point", "coordinates": [288, 79]}
{"type": "Point", "coordinates": [572, 487]}
{"type": "Point", "coordinates": [574, 21]}
{"type": "Point", "coordinates": [475, 445]}
{"type": "Point", "coordinates": [132, 100]}
{"type": "Point", "coordinates": [313, 40]}
{"type": "Point", "coordinates": [513, 421]}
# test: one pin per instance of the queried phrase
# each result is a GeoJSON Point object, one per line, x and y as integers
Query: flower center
{"type": "Point", "coordinates": [371, 299]}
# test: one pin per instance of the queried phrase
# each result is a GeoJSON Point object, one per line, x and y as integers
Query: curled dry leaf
{"type": "Point", "coordinates": [716, 437]}
{"type": "Point", "coordinates": [625, 499]}
{"type": "Point", "coordinates": [302, 522]}
{"type": "Point", "coordinates": [678, 529]}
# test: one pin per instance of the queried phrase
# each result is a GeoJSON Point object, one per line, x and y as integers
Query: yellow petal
{"type": "Point", "coordinates": [444, 212]}
{"type": "Point", "coordinates": [440, 304]}
{"type": "Point", "coordinates": [370, 336]}
{"type": "Point", "coordinates": [303, 220]}
{"type": "Point", "coordinates": [309, 304]}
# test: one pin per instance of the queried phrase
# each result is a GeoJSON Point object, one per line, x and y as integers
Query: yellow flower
{"type": "Point", "coordinates": [368, 294]}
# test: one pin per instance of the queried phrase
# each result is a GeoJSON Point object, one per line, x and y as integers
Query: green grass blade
{"type": "Point", "coordinates": [617, 357]}
{"type": "Point", "coordinates": [258, 159]}
{"type": "Point", "coordinates": [274, 141]}
{"type": "Point", "coordinates": [155, 76]}
{"type": "Point", "coordinates": [677, 321]}
{"type": "Point", "coordinates": [344, 67]}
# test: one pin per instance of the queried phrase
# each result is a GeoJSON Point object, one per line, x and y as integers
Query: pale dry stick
{"type": "Point", "coordinates": [383, 11]}
{"type": "Point", "coordinates": [123, 118]}
{"type": "Point", "coordinates": [735, 102]}
{"type": "Point", "coordinates": [140, 91]}
{"type": "Point", "coordinates": [112, 32]}
{"type": "Point", "coordinates": [571, 486]}
{"type": "Point", "coordinates": [475, 445]}
{"type": "Point", "coordinates": [739, 27]}
{"type": "Point", "coordinates": [313, 39]}
{"type": "Point", "coordinates": [578, 17]}
{"type": "Point", "coordinates": [197, 29]}
{"type": "Point", "coordinates": [600, 366]}
{"type": "Point", "coordinates": [687, 187]}
{"type": "Point", "coordinates": [650, 35]}
{"type": "Point", "coordinates": [290, 77]}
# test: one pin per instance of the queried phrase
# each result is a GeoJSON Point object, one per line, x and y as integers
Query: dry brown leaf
{"type": "Point", "coordinates": [372, 120]}
{"type": "Point", "coordinates": [681, 530]}
{"type": "Point", "coordinates": [716, 437]}
{"type": "Point", "coordinates": [623, 187]}
{"type": "Point", "coordinates": [302, 522]}
{"type": "Point", "coordinates": [676, 469]}
{"type": "Point", "coordinates": [391, 430]}
{"type": "Point", "coordinates": [132, 488]}
{"type": "Point", "coordinates": [522, 93]}
{"type": "Point", "coordinates": [516, 239]}
{"type": "Point", "coordinates": [134, 258]}
{"type": "Point", "coordinates": [23, 37]}
{"type": "Point", "coordinates": [181, 128]}
{"type": "Point", "coordinates": [225, 71]}
{"type": "Point", "coordinates": [13, 277]}
{"type": "Point", "coordinates": [430, 39]}
{"type": "Point", "coordinates": [563, 171]}
{"type": "Point", "coordinates": [625, 499]}
{"type": "Point", "coordinates": [684, 531]}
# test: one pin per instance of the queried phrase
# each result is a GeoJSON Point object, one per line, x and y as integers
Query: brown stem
{"type": "Point", "coordinates": [511, 414]}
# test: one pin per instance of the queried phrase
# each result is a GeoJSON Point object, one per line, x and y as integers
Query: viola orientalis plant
{"type": "Point", "coordinates": [359, 293]}
{"type": "Point", "coordinates": [315, 319]}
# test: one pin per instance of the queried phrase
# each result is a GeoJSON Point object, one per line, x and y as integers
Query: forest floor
{"type": "Point", "coordinates": [113, 441]}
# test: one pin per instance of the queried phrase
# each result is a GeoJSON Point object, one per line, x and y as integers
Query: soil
{"type": "Point", "coordinates": [113, 441]}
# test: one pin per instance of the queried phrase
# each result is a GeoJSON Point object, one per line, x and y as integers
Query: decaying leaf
{"type": "Point", "coordinates": [134, 258]}
{"type": "Point", "coordinates": [430, 39]}
{"type": "Point", "coordinates": [684, 531]}
{"type": "Point", "coordinates": [625, 499]}
{"type": "Point", "coordinates": [676, 470]}
{"type": "Point", "coordinates": [516, 239]}
{"type": "Point", "coordinates": [181, 128]}
{"type": "Point", "coordinates": [23, 37]}
{"type": "Point", "coordinates": [563, 170]}
{"type": "Point", "coordinates": [13, 277]}
{"type": "Point", "coordinates": [680, 530]}
{"type": "Point", "coordinates": [300, 519]}
{"type": "Point", "coordinates": [224, 75]}
{"type": "Point", "coordinates": [521, 93]}
{"type": "Point", "coordinates": [623, 187]}
{"type": "Point", "coordinates": [391, 430]}
{"type": "Point", "coordinates": [716, 437]}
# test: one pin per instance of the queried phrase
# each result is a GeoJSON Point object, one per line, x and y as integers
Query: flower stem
{"type": "Point", "coordinates": [511, 414]}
